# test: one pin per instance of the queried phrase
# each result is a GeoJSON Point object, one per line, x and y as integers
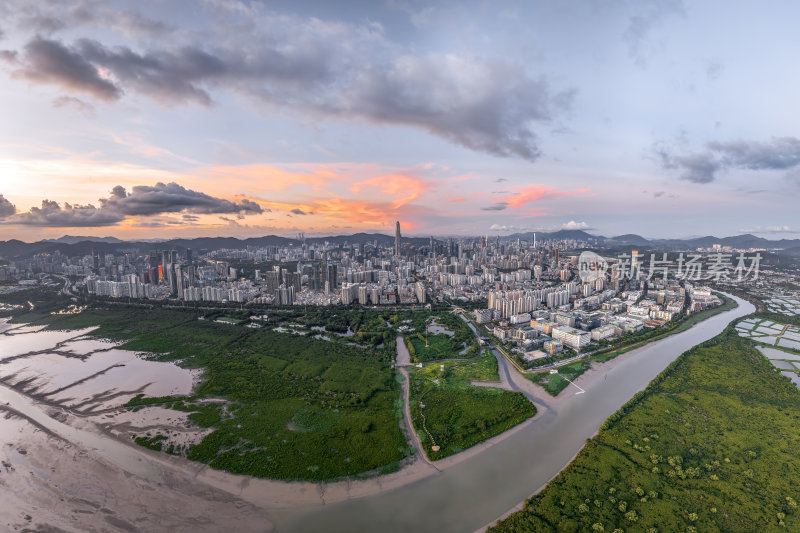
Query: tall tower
{"type": "Point", "coordinates": [397, 239]}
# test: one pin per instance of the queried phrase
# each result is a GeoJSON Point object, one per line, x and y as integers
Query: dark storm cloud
{"type": "Point", "coordinates": [51, 62]}
{"type": "Point", "coordinates": [142, 201]}
{"type": "Point", "coordinates": [484, 106]}
{"type": "Point", "coordinates": [322, 68]}
{"type": "Point", "coordinates": [781, 153]}
{"type": "Point", "coordinates": [171, 198]}
{"type": "Point", "coordinates": [6, 208]}
{"type": "Point", "coordinates": [499, 206]}
{"type": "Point", "coordinates": [54, 215]}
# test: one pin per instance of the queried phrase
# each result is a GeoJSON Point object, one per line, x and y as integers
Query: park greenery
{"type": "Point", "coordinates": [424, 346]}
{"type": "Point", "coordinates": [555, 383]}
{"type": "Point", "coordinates": [315, 400]}
{"type": "Point", "coordinates": [710, 445]}
{"type": "Point", "coordinates": [456, 414]}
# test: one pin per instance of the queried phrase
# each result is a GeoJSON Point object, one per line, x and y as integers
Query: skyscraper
{"type": "Point", "coordinates": [397, 239]}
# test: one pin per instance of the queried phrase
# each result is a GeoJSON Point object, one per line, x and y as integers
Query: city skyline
{"type": "Point", "coordinates": [248, 119]}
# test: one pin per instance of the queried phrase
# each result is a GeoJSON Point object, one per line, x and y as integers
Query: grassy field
{"type": "Point", "coordinates": [295, 407]}
{"type": "Point", "coordinates": [484, 368]}
{"type": "Point", "coordinates": [458, 415]}
{"type": "Point", "coordinates": [554, 383]}
{"type": "Point", "coordinates": [710, 445]}
{"type": "Point", "coordinates": [440, 346]}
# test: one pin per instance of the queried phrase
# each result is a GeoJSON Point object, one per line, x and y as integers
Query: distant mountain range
{"type": "Point", "coordinates": [71, 246]}
{"type": "Point", "coordinates": [77, 245]}
{"type": "Point", "coordinates": [631, 240]}
{"type": "Point", "coordinates": [69, 239]}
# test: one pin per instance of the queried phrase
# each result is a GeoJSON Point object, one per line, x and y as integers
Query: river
{"type": "Point", "coordinates": [465, 495]}
{"type": "Point", "coordinates": [474, 492]}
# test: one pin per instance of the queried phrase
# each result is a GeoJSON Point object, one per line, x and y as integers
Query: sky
{"type": "Point", "coordinates": [166, 118]}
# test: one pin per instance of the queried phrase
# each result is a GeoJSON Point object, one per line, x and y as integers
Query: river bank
{"type": "Point", "coordinates": [461, 492]}
{"type": "Point", "coordinates": [477, 489]}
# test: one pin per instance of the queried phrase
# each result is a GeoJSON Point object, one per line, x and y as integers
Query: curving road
{"type": "Point", "coordinates": [471, 494]}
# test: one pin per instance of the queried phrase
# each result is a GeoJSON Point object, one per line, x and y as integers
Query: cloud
{"type": "Point", "coordinates": [658, 194]}
{"type": "Point", "coordinates": [781, 153]}
{"type": "Point", "coordinates": [504, 227]}
{"type": "Point", "coordinates": [9, 56]}
{"type": "Point", "coordinates": [52, 214]}
{"type": "Point", "coordinates": [6, 208]}
{"type": "Point", "coordinates": [770, 229]}
{"type": "Point", "coordinates": [404, 188]}
{"type": "Point", "coordinates": [714, 69]}
{"type": "Point", "coordinates": [75, 103]}
{"type": "Point", "coordinates": [50, 62]}
{"type": "Point", "coordinates": [172, 198]}
{"type": "Point", "coordinates": [325, 69]}
{"type": "Point", "coordinates": [499, 206]}
{"type": "Point", "coordinates": [572, 225]}
{"type": "Point", "coordinates": [296, 211]}
{"type": "Point", "coordinates": [455, 198]}
{"type": "Point", "coordinates": [532, 193]}
{"type": "Point", "coordinates": [142, 201]}
{"type": "Point", "coordinates": [641, 26]}
{"type": "Point", "coordinates": [500, 180]}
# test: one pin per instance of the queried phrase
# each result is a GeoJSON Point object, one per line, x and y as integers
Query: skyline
{"type": "Point", "coordinates": [248, 119]}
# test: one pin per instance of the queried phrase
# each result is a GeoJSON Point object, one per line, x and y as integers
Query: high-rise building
{"type": "Point", "coordinates": [397, 239]}
{"type": "Point", "coordinates": [271, 280]}
{"type": "Point", "coordinates": [330, 276]}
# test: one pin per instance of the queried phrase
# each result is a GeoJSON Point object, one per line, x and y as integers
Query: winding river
{"type": "Point", "coordinates": [465, 495]}
{"type": "Point", "coordinates": [471, 494]}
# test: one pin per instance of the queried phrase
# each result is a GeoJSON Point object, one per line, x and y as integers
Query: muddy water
{"type": "Point", "coordinates": [463, 497]}
{"type": "Point", "coordinates": [67, 368]}
{"type": "Point", "coordinates": [63, 373]}
{"type": "Point", "coordinates": [476, 491]}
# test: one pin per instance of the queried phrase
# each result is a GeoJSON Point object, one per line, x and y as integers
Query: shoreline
{"type": "Point", "coordinates": [279, 495]}
{"type": "Point", "coordinates": [586, 380]}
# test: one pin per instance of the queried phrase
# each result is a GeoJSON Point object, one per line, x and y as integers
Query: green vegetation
{"type": "Point", "coordinates": [554, 384]}
{"type": "Point", "coordinates": [439, 345]}
{"type": "Point", "coordinates": [483, 368]}
{"type": "Point", "coordinates": [458, 415]}
{"type": "Point", "coordinates": [45, 299]}
{"type": "Point", "coordinates": [154, 443]}
{"type": "Point", "coordinates": [282, 406]}
{"type": "Point", "coordinates": [710, 445]}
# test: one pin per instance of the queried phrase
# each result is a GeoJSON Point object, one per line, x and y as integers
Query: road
{"type": "Point", "coordinates": [472, 493]}
{"type": "Point", "coordinates": [403, 360]}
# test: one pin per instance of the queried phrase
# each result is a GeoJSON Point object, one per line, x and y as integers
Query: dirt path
{"type": "Point", "coordinates": [403, 357]}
